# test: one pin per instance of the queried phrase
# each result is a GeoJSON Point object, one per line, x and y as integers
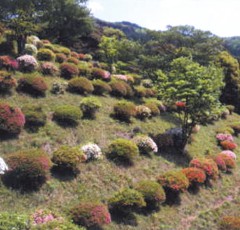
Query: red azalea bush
{"type": "Point", "coordinates": [81, 57]}
{"type": "Point", "coordinates": [34, 85]}
{"type": "Point", "coordinates": [12, 119]}
{"type": "Point", "coordinates": [228, 145]}
{"type": "Point", "coordinates": [194, 175]}
{"type": "Point", "coordinates": [8, 63]}
{"type": "Point", "coordinates": [207, 165]}
{"type": "Point", "coordinates": [174, 180]}
{"type": "Point", "coordinates": [101, 74]}
{"type": "Point", "coordinates": [90, 215]}
{"type": "Point", "coordinates": [180, 104]}
{"type": "Point", "coordinates": [68, 70]}
{"type": "Point", "coordinates": [7, 82]}
{"type": "Point", "coordinates": [225, 162]}
{"type": "Point", "coordinates": [28, 169]}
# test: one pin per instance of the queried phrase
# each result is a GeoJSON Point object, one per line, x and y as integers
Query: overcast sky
{"type": "Point", "coordinates": [221, 17]}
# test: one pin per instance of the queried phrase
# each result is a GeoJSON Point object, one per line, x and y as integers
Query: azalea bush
{"type": "Point", "coordinates": [90, 106]}
{"type": "Point", "coordinates": [118, 89]}
{"type": "Point", "coordinates": [101, 74]}
{"type": "Point", "coordinates": [28, 170]}
{"type": "Point", "coordinates": [124, 110]}
{"type": "Point", "coordinates": [42, 216]}
{"type": "Point", "coordinates": [8, 63]}
{"type": "Point", "coordinates": [84, 69]}
{"type": "Point", "coordinates": [68, 70]}
{"type": "Point", "coordinates": [101, 87]}
{"type": "Point", "coordinates": [194, 175]}
{"type": "Point", "coordinates": [7, 82]}
{"type": "Point", "coordinates": [142, 112]}
{"type": "Point", "coordinates": [12, 119]}
{"type": "Point", "coordinates": [174, 180]}
{"type": "Point", "coordinates": [80, 85]}
{"type": "Point", "coordinates": [67, 115]}
{"type": "Point", "coordinates": [48, 68]}
{"type": "Point", "coordinates": [145, 144]}
{"type": "Point", "coordinates": [92, 151]}
{"type": "Point", "coordinates": [229, 153]}
{"type": "Point", "coordinates": [207, 165]}
{"type": "Point", "coordinates": [127, 200]}
{"type": "Point", "coordinates": [27, 63]}
{"type": "Point", "coordinates": [224, 137]}
{"type": "Point", "coordinates": [90, 215]}
{"type": "Point", "coordinates": [30, 49]}
{"type": "Point", "coordinates": [60, 57]}
{"type": "Point", "coordinates": [73, 60]}
{"type": "Point", "coordinates": [123, 151]}
{"type": "Point", "coordinates": [33, 85]}
{"type": "Point", "coordinates": [68, 158]}
{"type": "Point", "coordinates": [225, 162]}
{"type": "Point", "coordinates": [228, 145]}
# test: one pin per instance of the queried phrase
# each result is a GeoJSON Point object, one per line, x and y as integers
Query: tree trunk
{"type": "Point", "coordinates": [21, 41]}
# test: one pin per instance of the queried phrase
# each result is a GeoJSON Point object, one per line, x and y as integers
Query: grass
{"type": "Point", "coordinates": [98, 180]}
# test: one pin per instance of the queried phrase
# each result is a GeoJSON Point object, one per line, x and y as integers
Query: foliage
{"type": "Point", "coordinates": [68, 158]}
{"type": "Point", "coordinates": [127, 200]}
{"type": "Point", "coordinates": [59, 87]}
{"type": "Point", "coordinates": [90, 215]}
{"type": "Point", "coordinates": [194, 175]}
{"type": "Point", "coordinates": [121, 89]}
{"type": "Point", "coordinates": [196, 86]}
{"type": "Point", "coordinates": [32, 84]}
{"type": "Point", "coordinates": [92, 151]}
{"type": "Point", "coordinates": [30, 49]}
{"type": "Point", "coordinates": [101, 87]}
{"type": "Point", "coordinates": [152, 192]}
{"type": "Point", "coordinates": [68, 70]}
{"type": "Point", "coordinates": [123, 151]}
{"type": "Point", "coordinates": [154, 108]}
{"type": "Point", "coordinates": [80, 85]}
{"type": "Point", "coordinates": [230, 222]}
{"type": "Point", "coordinates": [225, 162]}
{"type": "Point", "coordinates": [174, 180]}
{"type": "Point", "coordinates": [84, 69]}
{"type": "Point", "coordinates": [207, 165]}
{"type": "Point", "coordinates": [67, 115]}
{"type": "Point", "coordinates": [27, 169]}
{"type": "Point", "coordinates": [12, 119]}
{"type": "Point", "coordinates": [45, 55]}
{"type": "Point", "coordinates": [124, 110]}
{"type": "Point", "coordinates": [27, 63]}
{"type": "Point", "coordinates": [89, 106]}
{"type": "Point", "coordinates": [142, 112]}
{"type": "Point", "coordinates": [48, 68]}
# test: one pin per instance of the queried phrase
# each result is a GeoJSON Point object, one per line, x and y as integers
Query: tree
{"type": "Point", "coordinates": [195, 89]}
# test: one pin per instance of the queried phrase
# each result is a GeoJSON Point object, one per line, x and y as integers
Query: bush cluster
{"type": "Point", "coordinates": [8, 63]}
{"type": "Point", "coordinates": [10, 220]}
{"type": "Point", "coordinates": [154, 108]}
{"type": "Point", "coordinates": [91, 151]}
{"type": "Point", "coordinates": [68, 70]}
{"type": "Point", "coordinates": [30, 49]}
{"type": "Point", "coordinates": [84, 69]}
{"type": "Point", "coordinates": [101, 74]}
{"type": "Point", "coordinates": [90, 106]}
{"type": "Point", "coordinates": [80, 85]}
{"type": "Point", "coordinates": [124, 110]}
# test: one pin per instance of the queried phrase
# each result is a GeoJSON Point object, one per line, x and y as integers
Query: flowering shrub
{"type": "Point", "coordinates": [145, 144]}
{"type": "Point", "coordinates": [34, 85]}
{"type": "Point", "coordinates": [127, 200]}
{"type": "Point", "coordinates": [42, 217]}
{"type": "Point", "coordinates": [27, 63]}
{"type": "Point", "coordinates": [67, 115]}
{"type": "Point", "coordinates": [67, 158]}
{"type": "Point", "coordinates": [229, 153]}
{"type": "Point", "coordinates": [230, 222]}
{"type": "Point", "coordinates": [142, 112]}
{"type": "Point", "coordinates": [101, 87]}
{"type": "Point", "coordinates": [27, 169]}
{"type": "Point", "coordinates": [120, 77]}
{"type": "Point", "coordinates": [194, 175]}
{"type": "Point", "coordinates": [225, 162]}
{"type": "Point", "coordinates": [124, 110]}
{"type": "Point", "coordinates": [68, 70]}
{"type": "Point", "coordinates": [180, 104]}
{"type": "Point", "coordinates": [48, 68]}
{"type": "Point", "coordinates": [12, 119]}
{"type": "Point", "coordinates": [101, 74]}
{"type": "Point", "coordinates": [152, 192]}
{"type": "Point", "coordinates": [154, 108]}
{"type": "Point", "coordinates": [8, 63]}
{"type": "Point", "coordinates": [89, 215]}
{"type": "Point", "coordinates": [59, 87]}
{"type": "Point", "coordinates": [228, 145]}
{"type": "Point", "coordinates": [207, 165]}
{"type": "Point", "coordinates": [33, 40]}
{"type": "Point", "coordinates": [30, 49]}
{"type": "Point", "coordinates": [92, 151]}
{"type": "Point", "coordinates": [7, 82]}
{"type": "Point", "coordinates": [224, 137]}
{"type": "Point", "coordinates": [123, 151]}
{"type": "Point", "coordinates": [60, 58]}
{"type": "Point", "coordinates": [73, 60]}
{"type": "Point", "coordinates": [174, 180]}
{"type": "Point", "coordinates": [89, 106]}
{"type": "Point", "coordinates": [3, 166]}
{"type": "Point", "coordinates": [80, 85]}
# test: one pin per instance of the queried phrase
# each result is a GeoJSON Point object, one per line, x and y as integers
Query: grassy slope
{"type": "Point", "coordinates": [98, 180]}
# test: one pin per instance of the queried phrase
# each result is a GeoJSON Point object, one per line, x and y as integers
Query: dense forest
{"type": "Point", "coordinates": [114, 126]}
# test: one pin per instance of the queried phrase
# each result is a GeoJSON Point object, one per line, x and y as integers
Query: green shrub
{"type": "Point", "coordinates": [90, 106]}
{"type": "Point", "coordinates": [67, 158]}
{"type": "Point", "coordinates": [67, 115]}
{"type": "Point", "coordinates": [123, 151]}
{"type": "Point", "coordinates": [174, 180]}
{"type": "Point", "coordinates": [231, 108]}
{"type": "Point", "coordinates": [127, 200]}
{"type": "Point", "coordinates": [68, 70]}
{"type": "Point", "coordinates": [101, 87]}
{"type": "Point", "coordinates": [30, 49]}
{"type": "Point", "coordinates": [84, 69]}
{"type": "Point", "coordinates": [154, 108]}
{"type": "Point", "coordinates": [13, 221]}
{"type": "Point", "coordinates": [33, 85]}
{"type": "Point", "coordinates": [64, 50]}
{"type": "Point", "coordinates": [124, 110]}
{"type": "Point", "coordinates": [230, 223]}
{"type": "Point", "coordinates": [27, 169]}
{"type": "Point", "coordinates": [90, 215]}
{"type": "Point", "coordinates": [45, 55]}
{"type": "Point", "coordinates": [152, 192]}
{"type": "Point", "coordinates": [80, 85]}
{"type": "Point", "coordinates": [60, 57]}
{"type": "Point", "coordinates": [34, 115]}
{"type": "Point", "coordinates": [118, 89]}
{"type": "Point", "coordinates": [140, 91]}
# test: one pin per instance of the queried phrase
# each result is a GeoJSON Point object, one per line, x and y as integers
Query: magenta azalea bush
{"type": "Point", "coordinates": [224, 137]}
{"type": "Point", "coordinates": [42, 216]}
{"type": "Point", "coordinates": [27, 63]}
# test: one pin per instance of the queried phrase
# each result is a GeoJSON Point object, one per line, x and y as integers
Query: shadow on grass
{"type": "Point", "coordinates": [172, 197]}
{"type": "Point", "coordinates": [194, 189]}
{"type": "Point", "coordinates": [170, 117]}
{"type": "Point", "coordinates": [125, 218]}
{"type": "Point", "coordinates": [63, 174]}
{"type": "Point", "coordinates": [4, 136]}
{"type": "Point", "coordinates": [149, 209]}
{"type": "Point", "coordinates": [66, 123]}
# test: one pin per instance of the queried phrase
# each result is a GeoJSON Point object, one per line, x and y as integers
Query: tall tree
{"type": "Point", "coordinates": [196, 88]}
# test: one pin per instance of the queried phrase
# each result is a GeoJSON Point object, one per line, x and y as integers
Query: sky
{"type": "Point", "coordinates": [221, 17]}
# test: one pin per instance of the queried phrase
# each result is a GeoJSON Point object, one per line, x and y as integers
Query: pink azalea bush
{"type": "Point", "coordinates": [229, 153]}
{"type": "Point", "coordinates": [27, 63]}
{"type": "Point", "coordinates": [42, 216]}
{"type": "Point", "coordinates": [224, 137]}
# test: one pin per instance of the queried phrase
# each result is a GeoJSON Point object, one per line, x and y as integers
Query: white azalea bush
{"type": "Point", "coordinates": [27, 63]}
{"type": "Point", "coordinates": [145, 144]}
{"type": "Point", "coordinates": [92, 151]}
{"type": "Point", "coordinates": [3, 166]}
